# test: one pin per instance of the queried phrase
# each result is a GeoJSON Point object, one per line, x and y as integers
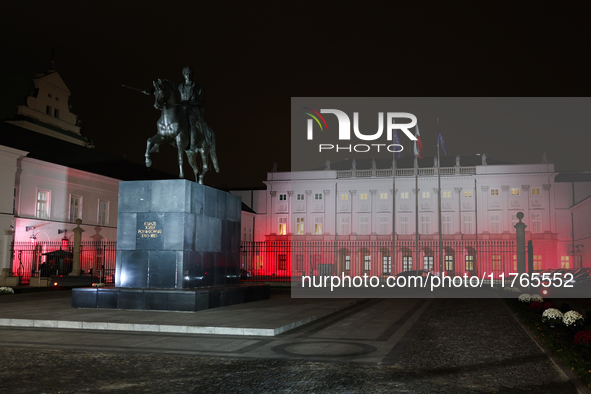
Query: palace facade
{"type": "Point", "coordinates": [351, 212]}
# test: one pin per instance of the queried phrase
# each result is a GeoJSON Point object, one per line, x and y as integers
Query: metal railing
{"type": "Point", "coordinates": [44, 259]}
{"type": "Point", "coordinates": [405, 172]}
{"type": "Point", "coordinates": [280, 260]}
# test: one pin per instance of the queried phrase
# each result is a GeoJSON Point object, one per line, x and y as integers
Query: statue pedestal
{"type": "Point", "coordinates": [174, 237]}
{"type": "Point", "coordinates": [177, 234]}
{"type": "Point", "coordinates": [187, 300]}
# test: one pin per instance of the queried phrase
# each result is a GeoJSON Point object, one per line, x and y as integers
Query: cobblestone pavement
{"type": "Point", "coordinates": [455, 346]}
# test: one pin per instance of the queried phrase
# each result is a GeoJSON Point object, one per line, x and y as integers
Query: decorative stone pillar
{"type": "Point", "coordinates": [77, 241]}
{"type": "Point", "coordinates": [5, 258]}
{"type": "Point", "coordinates": [520, 230]}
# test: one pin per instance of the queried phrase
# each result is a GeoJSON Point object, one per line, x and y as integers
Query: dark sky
{"type": "Point", "coordinates": [252, 57]}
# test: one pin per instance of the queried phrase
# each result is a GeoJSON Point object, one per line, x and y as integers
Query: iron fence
{"type": "Point", "coordinates": [280, 260]}
{"type": "Point", "coordinates": [43, 259]}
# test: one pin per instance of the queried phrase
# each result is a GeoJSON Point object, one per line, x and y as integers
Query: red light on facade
{"type": "Point", "coordinates": [55, 283]}
{"type": "Point", "coordinates": [65, 243]}
{"type": "Point", "coordinates": [545, 292]}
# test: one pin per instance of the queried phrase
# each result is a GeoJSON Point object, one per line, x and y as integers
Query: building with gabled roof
{"type": "Point", "coordinates": [51, 175]}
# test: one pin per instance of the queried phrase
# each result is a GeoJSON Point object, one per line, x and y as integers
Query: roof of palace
{"type": "Point", "coordinates": [53, 150]}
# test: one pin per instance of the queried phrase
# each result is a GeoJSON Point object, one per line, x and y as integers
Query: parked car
{"type": "Point", "coordinates": [564, 282]}
{"type": "Point", "coordinates": [244, 274]}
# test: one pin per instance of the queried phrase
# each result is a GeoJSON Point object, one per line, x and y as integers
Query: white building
{"type": "Point", "coordinates": [39, 199]}
{"type": "Point", "coordinates": [479, 206]}
{"type": "Point", "coordinates": [50, 197]}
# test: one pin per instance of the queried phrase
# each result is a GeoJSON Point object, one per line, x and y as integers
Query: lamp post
{"type": "Point", "coordinates": [33, 237]}
{"type": "Point", "coordinates": [77, 240]}
{"type": "Point", "coordinates": [64, 242]}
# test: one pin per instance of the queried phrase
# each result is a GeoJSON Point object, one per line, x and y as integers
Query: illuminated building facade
{"type": "Point", "coordinates": [352, 210]}
{"type": "Point", "coordinates": [51, 177]}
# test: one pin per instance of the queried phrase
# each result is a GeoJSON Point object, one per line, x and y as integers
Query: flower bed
{"type": "Point", "coordinates": [567, 335]}
{"type": "Point", "coordinates": [552, 316]}
{"type": "Point", "coordinates": [537, 298]}
{"type": "Point", "coordinates": [573, 319]}
{"type": "Point", "coordinates": [536, 306]}
{"type": "Point", "coordinates": [525, 298]}
{"type": "Point", "coordinates": [583, 338]}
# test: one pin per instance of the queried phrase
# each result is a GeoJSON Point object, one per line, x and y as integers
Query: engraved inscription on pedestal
{"type": "Point", "coordinates": [149, 231]}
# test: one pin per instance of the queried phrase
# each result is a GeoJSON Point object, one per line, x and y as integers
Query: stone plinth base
{"type": "Point", "coordinates": [177, 234]}
{"type": "Point", "coordinates": [39, 281]}
{"type": "Point", "coordinates": [12, 281]}
{"type": "Point", "coordinates": [185, 300]}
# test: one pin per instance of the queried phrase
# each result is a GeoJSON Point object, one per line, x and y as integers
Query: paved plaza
{"type": "Point", "coordinates": [347, 346]}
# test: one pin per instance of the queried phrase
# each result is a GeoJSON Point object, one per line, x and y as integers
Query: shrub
{"type": "Point", "coordinates": [525, 298]}
{"type": "Point", "coordinates": [573, 319]}
{"type": "Point", "coordinates": [583, 338]}
{"type": "Point", "coordinates": [552, 316]}
{"type": "Point", "coordinates": [535, 306]}
{"type": "Point", "coordinates": [548, 305]}
{"type": "Point", "coordinates": [537, 298]}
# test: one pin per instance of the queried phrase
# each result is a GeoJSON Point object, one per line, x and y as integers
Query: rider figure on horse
{"type": "Point", "coordinates": [193, 98]}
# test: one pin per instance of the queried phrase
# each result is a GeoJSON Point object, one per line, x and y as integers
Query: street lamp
{"type": "Point", "coordinates": [65, 241]}
{"type": "Point", "coordinates": [33, 237]}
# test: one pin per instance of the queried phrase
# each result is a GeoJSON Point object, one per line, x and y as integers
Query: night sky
{"type": "Point", "coordinates": [251, 58]}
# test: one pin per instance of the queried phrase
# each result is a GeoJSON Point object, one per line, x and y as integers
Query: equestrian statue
{"type": "Point", "coordinates": [181, 124]}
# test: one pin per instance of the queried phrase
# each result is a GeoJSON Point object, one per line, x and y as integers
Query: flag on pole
{"type": "Point", "coordinates": [397, 142]}
{"type": "Point", "coordinates": [440, 140]}
{"type": "Point", "coordinates": [418, 143]}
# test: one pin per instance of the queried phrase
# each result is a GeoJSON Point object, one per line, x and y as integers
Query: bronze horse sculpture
{"type": "Point", "coordinates": [174, 128]}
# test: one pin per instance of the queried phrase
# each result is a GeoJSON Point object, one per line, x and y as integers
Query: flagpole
{"type": "Point", "coordinates": [393, 259]}
{"type": "Point", "coordinates": [417, 215]}
{"type": "Point", "coordinates": [439, 206]}
{"type": "Point", "coordinates": [441, 144]}
{"type": "Point", "coordinates": [418, 152]}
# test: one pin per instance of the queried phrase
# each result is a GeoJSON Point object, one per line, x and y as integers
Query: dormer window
{"type": "Point", "coordinates": [48, 110]}
{"type": "Point", "coordinates": [56, 113]}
